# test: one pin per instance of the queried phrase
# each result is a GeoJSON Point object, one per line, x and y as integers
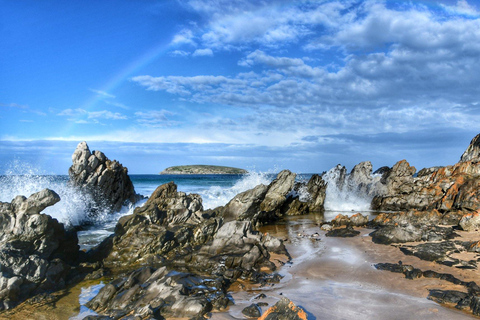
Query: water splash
{"type": "Point", "coordinates": [342, 193]}
{"type": "Point", "coordinates": [23, 179]}
{"type": "Point", "coordinates": [216, 196]}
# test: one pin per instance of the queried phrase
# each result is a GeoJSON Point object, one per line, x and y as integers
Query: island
{"type": "Point", "coordinates": [203, 169]}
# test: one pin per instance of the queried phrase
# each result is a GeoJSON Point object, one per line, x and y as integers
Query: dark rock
{"type": "Point", "coordinates": [105, 180]}
{"type": "Point", "coordinates": [252, 311]}
{"type": "Point", "coordinates": [447, 296]}
{"type": "Point", "coordinates": [36, 252]}
{"type": "Point", "coordinates": [346, 232]}
{"type": "Point", "coordinates": [284, 310]}
{"type": "Point", "coordinates": [260, 296]}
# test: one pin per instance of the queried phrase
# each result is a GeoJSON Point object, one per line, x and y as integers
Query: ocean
{"type": "Point", "coordinates": [215, 190]}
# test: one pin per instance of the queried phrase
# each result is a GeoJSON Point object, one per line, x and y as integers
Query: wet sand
{"type": "Point", "coordinates": [331, 278]}
{"type": "Point", "coordinates": [335, 278]}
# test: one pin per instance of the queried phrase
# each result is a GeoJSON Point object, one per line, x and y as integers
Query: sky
{"type": "Point", "coordinates": [261, 85]}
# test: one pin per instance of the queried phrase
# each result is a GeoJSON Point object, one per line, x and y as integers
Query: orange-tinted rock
{"type": "Point", "coordinates": [284, 309]}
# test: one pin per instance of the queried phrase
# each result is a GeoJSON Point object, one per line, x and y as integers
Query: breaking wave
{"type": "Point", "coordinates": [216, 196]}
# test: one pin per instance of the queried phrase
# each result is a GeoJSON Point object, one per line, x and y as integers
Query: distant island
{"type": "Point", "coordinates": [203, 169]}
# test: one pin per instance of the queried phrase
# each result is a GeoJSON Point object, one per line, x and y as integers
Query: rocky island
{"type": "Point", "coordinates": [203, 169]}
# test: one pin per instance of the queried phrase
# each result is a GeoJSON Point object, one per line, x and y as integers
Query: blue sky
{"type": "Point", "coordinates": [261, 85]}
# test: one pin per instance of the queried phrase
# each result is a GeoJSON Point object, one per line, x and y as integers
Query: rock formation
{"type": "Point", "coordinates": [36, 252]}
{"type": "Point", "coordinates": [282, 196]}
{"type": "Point", "coordinates": [105, 180]}
{"type": "Point", "coordinates": [197, 255]}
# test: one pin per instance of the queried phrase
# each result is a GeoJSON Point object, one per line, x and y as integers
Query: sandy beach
{"type": "Point", "coordinates": [335, 278]}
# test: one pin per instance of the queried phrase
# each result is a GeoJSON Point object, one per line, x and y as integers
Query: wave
{"type": "Point", "coordinates": [342, 194]}
{"type": "Point", "coordinates": [216, 196]}
{"type": "Point", "coordinates": [23, 179]}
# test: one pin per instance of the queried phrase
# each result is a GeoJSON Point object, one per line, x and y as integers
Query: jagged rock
{"type": "Point", "coordinates": [473, 150]}
{"type": "Point", "coordinates": [36, 251]}
{"type": "Point", "coordinates": [284, 310]}
{"type": "Point", "coordinates": [194, 244]}
{"type": "Point", "coordinates": [159, 293]}
{"type": "Point", "coordinates": [316, 188]}
{"type": "Point", "coordinates": [105, 180]}
{"type": "Point", "coordinates": [245, 204]}
{"type": "Point", "coordinates": [447, 188]}
{"type": "Point", "coordinates": [277, 191]}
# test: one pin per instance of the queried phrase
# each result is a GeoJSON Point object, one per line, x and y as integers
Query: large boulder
{"type": "Point", "coordinates": [36, 251]}
{"type": "Point", "coordinates": [106, 180]}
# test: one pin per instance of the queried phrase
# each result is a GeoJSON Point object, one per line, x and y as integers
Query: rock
{"type": "Point", "coordinates": [326, 227]}
{"type": "Point", "coordinates": [358, 220]}
{"type": "Point", "coordinates": [246, 204]}
{"type": "Point", "coordinates": [346, 232]}
{"type": "Point", "coordinates": [284, 310]}
{"type": "Point", "coordinates": [316, 188]}
{"type": "Point", "coordinates": [471, 221]}
{"type": "Point", "coordinates": [252, 311]}
{"type": "Point", "coordinates": [105, 180]}
{"type": "Point", "coordinates": [473, 150]}
{"type": "Point", "coordinates": [159, 293]}
{"type": "Point", "coordinates": [447, 188]}
{"type": "Point", "coordinates": [410, 233]}
{"type": "Point", "coordinates": [277, 191]}
{"type": "Point", "coordinates": [438, 252]}
{"type": "Point", "coordinates": [36, 252]}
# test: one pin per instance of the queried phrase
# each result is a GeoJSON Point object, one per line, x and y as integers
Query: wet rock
{"type": "Point", "coordinates": [159, 293]}
{"type": "Point", "coordinates": [447, 296]}
{"type": "Point", "coordinates": [356, 220]}
{"type": "Point", "coordinates": [284, 310]}
{"type": "Point", "coordinates": [36, 252]}
{"type": "Point", "coordinates": [277, 191]}
{"type": "Point", "coordinates": [105, 180]}
{"type": "Point", "coordinates": [346, 232]}
{"type": "Point", "coordinates": [252, 311]}
{"type": "Point", "coordinates": [436, 251]}
{"type": "Point", "coordinates": [410, 233]}
{"type": "Point", "coordinates": [316, 188]}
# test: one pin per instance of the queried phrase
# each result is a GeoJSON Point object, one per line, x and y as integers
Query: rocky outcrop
{"type": "Point", "coordinates": [203, 169]}
{"type": "Point", "coordinates": [193, 256]}
{"type": "Point", "coordinates": [36, 252]}
{"type": "Point", "coordinates": [283, 310]}
{"type": "Point", "coordinates": [283, 196]}
{"type": "Point", "coordinates": [107, 181]}
{"type": "Point", "coordinates": [149, 293]}
{"type": "Point", "coordinates": [446, 188]}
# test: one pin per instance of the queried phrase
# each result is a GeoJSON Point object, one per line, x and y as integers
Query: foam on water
{"type": "Point", "coordinates": [22, 179]}
{"type": "Point", "coordinates": [344, 196]}
{"type": "Point", "coordinates": [216, 196]}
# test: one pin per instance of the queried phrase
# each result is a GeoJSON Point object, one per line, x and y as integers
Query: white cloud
{"type": "Point", "coordinates": [203, 52]}
{"type": "Point", "coordinates": [117, 104]}
{"type": "Point", "coordinates": [154, 118]}
{"type": "Point", "coordinates": [184, 37]}
{"type": "Point", "coordinates": [72, 112]}
{"type": "Point", "coordinates": [179, 53]}
{"type": "Point", "coordinates": [104, 114]}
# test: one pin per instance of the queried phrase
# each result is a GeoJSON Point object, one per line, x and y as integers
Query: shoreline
{"type": "Point", "coordinates": [328, 277]}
